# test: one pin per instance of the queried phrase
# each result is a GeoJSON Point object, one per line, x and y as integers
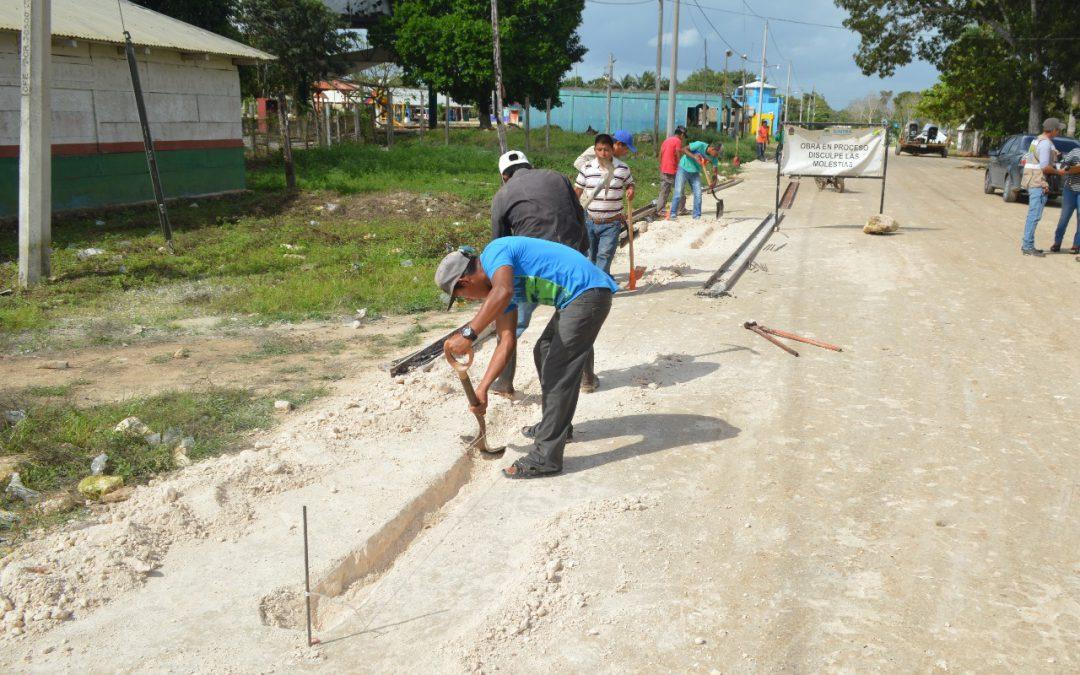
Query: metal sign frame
{"type": "Point", "coordinates": [818, 125]}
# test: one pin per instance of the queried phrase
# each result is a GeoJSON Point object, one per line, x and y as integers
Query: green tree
{"type": "Point", "coordinates": [574, 81]}
{"type": "Point", "coordinates": [904, 105]}
{"type": "Point", "coordinates": [449, 46]}
{"type": "Point", "coordinates": [213, 15]}
{"type": "Point", "coordinates": [310, 45]}
{"type": "Point", "coordinates": [1037, 37]}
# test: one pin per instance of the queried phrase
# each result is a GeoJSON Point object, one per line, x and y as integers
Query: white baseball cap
{"type": "Point", "coordinates": [512, 158]}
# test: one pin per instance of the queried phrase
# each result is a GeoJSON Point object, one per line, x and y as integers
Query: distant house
{"type": "Point", "coordinates": [771, 106]}
{"type": "Point", "coordinates": [192, 89]}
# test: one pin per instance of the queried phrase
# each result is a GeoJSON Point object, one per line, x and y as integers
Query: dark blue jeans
{"type": "Point", "coordinates": [1068, 207]}
{"type": "Point", "coordinates": [603, 242]}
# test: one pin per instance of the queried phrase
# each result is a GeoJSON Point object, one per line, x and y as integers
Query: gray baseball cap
{"type": "Point", "coordinates": [451, 269]}
{"type": "Point", "coordinates": [1052, 124]}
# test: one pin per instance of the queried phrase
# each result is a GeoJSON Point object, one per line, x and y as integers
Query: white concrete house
{"type": "Point", "coordinates": [192, 87]}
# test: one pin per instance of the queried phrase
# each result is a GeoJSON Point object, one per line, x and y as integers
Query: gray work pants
{"type": "Point", "coordinates": [561, 355]}
{"type": "Point", "coordinates": [667, 183]}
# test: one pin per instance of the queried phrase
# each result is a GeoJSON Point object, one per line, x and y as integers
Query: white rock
{"type": "Point", "coordinates": [132, 425]}
{"type": "Point", "coordinates": [881, 224]}
{"type": "Point", "coordinates": [169, 495]}
{"type": "Point", "coordinates": [594, 631]}
{"type": "Point", "coordinates": [357, 323]}
{"type": "Point", "coordinates": [273, 468]}
{"type": "Point", "coordinates": [653, 385]}
{"type": "Point", "coordinates": [699, 640]}
{"type": "Point", "coordinates": [283, 406]}
{"type": "Point", "coordinates": [551, 570]}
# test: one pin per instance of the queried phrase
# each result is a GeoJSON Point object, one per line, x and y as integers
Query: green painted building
{"type": "Point", "coordinates": [191, 83]}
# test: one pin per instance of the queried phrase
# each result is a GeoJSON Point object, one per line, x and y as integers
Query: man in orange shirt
{"type": "Point", "coordinates": [762, 140]}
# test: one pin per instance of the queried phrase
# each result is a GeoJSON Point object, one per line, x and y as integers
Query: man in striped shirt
{"type": "Point", "coordinates": [604, 181]}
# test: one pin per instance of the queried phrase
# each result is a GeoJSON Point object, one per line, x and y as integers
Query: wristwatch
{"type": "Point", "coordinates": [468, 333]}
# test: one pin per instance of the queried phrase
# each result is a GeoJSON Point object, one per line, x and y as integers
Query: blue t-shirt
{"type": "Point", "coordinates": [545, 272]}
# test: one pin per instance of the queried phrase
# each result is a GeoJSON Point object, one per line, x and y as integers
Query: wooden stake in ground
{"type": "Point", "coordinates": [528, 145]}
{"type": "Point", "coordinates": [498, 76]}
{"type": "Point", "coordinates": [286, 142]}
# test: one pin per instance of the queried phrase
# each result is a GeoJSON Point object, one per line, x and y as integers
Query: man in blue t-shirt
{"type": "Point", "coordinates": [514, 270]}
{"type": "Point", "coordinates": [695, 156]}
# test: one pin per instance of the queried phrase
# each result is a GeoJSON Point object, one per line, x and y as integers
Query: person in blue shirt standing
{"type": "Point", "coordinates": [514, 270]}
{"type": "Point", "coordinates": [695, 156]}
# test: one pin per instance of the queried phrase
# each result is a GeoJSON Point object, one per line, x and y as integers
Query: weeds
{"type": "Point", "coordinates": [58, 441]}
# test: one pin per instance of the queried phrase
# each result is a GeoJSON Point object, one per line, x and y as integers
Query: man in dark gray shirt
{"type": "Point", "coordinates": [537, 203]}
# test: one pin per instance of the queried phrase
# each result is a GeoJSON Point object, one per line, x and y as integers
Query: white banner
{"type": "Point", "coordinates": [834, 151]}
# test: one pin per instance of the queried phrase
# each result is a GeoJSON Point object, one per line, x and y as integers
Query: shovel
{"type": "Point", "coordinates": [462, 370]}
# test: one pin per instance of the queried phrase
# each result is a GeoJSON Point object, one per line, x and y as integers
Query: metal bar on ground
{"type": "Point", "coordinates": [724, 279]}
{"type": "Point", "coordinates": [427, 354]}
{"type": "Point", "coordinates": [788, 198]}
{"type": "Point", "coordinates": [799, 338]}
{"type": "Point", "coordinates": [757, 330]}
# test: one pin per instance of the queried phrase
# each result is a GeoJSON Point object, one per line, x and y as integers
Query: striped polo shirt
{"type": "Point", "coordinates": [608, 202]}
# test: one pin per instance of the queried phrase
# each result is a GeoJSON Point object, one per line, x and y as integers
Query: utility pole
{"type": "Point", "coordinates": [813, 105]}
{"type": "Point", "coordinates": [725, 118]}
{"type": "Point", "coordinates": [787, 93]}
{"type": "Point", "coordinates": [35, 143]}
{"type": "Point", "coordinates": [706, 44]}
{"type": "Point", "coordinates": [673, 84]}
{"type": "Point", "coordinates": [610, 76]}
{"type": "Point", "coordinates": [446, 130]}
{"type": "Point", "coordinates": [659, 65]}
{"type": "Point", "coordinates": [761, 82]}
{"type": "Point", "coordinates": [498, 76]}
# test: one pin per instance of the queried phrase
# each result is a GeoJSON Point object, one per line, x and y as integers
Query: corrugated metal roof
{"type": "Point", "coordinates": [99, 21]}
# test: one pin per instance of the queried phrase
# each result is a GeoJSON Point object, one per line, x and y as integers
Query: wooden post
{"type": "Point", "coordinates": [286, 142]}
{"type": "Point", "coordinates": [35, 144]}
{"type": "Point", "coordinates": [421, 122]}
{"type": "Point", "coordinates": [498, 76]}
{"type": "Point", "coordinates": [326, 122]}
{"type": "Point", "coordinates": [447, 131]}
{"type": "Point", "coordinates": [356, 122]}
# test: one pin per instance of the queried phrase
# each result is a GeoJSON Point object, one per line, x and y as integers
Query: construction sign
{"type": "Point", "coordinates": [857, 152]}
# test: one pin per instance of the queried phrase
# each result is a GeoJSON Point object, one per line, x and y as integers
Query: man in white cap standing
{"type": "Point", "coordinates": [537, 203]}
{"type": "Point", "coordinates": [1038, 164]}
{"type": "Point", "coordinates": [513, 270]}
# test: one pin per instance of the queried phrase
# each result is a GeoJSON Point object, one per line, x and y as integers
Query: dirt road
{"type": "Point", "coordinates": [907, 504]}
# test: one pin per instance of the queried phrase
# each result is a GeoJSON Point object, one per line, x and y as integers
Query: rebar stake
{"type": "Point", "coordinates": [307, 583]}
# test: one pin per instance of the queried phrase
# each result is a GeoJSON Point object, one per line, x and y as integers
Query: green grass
{"type": "Point", "coordinates": [238, 256]}
{"type": "Point", "coordinates": [42, 391]}
{"type": "Point", "coordinates": [59, 441]}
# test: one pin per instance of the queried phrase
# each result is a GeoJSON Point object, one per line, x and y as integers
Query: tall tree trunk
{"type": "Point", "coordinates": [286, 143]}
{"type": "Point", "coordinates": [1074, 107]}
{"type": "Point", "coordinates": [484, 108]}
{"type": "Point", "coordinates": [1035, 108]}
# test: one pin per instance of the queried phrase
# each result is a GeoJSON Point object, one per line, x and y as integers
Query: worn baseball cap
{"type": "Point", "coordinates": [1052, 124]}
{"type": "Point", "coordinates": [451, 269]}
{"type": "Point", "coordinates": [511, 158]}
{"type": "Point", "coordinates": [626, 138]}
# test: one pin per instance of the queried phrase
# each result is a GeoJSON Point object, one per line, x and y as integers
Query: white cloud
{"type": "Point", "coordinates": [687, 38]}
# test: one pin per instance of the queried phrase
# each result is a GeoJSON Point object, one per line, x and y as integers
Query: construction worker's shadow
{"type": "Point", "coordinates": [658, 431]}
{"type": "Point", "coordinates": [666, 370]}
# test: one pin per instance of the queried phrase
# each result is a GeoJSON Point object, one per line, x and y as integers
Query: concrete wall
{"type": "Point", "coordinates": [193, 107]}
{"type": "Point", "coordinates": [632, 111]}
{"type": "Point", "coordinates": [93, 102]}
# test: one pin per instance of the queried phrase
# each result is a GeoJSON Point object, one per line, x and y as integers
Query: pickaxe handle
{"type": "Point", "coordinates": [462, 370]}
{"type": "Point", "coordinates": [799, 338]}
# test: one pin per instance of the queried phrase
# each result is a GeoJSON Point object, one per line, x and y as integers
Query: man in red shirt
{"type": "Point", "coordinates": [670, 152]}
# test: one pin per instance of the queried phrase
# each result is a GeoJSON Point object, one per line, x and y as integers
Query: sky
{"type": "Point", "coordinates": [821, 57]}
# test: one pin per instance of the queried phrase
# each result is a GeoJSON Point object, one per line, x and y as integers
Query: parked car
{"type": "Point", "coordinates": [1007, 163]}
